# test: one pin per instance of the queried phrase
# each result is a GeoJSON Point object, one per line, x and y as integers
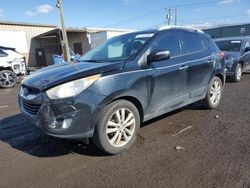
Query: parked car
{"type": "Point", "coordinates": [237, 55]}
{"type": "Point", "coordinates": [127, 80]}
{"type": "Point", "coordinates": [11, 64]}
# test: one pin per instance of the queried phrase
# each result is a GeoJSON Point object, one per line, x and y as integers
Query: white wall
{"type": "Point", "coordinates": [98, 38]}
{"type": "Point", "coordinates": [14, 39]}
{"type": "Point", "coordinates": [111, 34]}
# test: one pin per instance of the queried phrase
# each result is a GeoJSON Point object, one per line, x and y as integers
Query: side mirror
{"type": "Point", "coordinates": [247, 49]}
{"type": "Point", "coordinates": [158, 56]}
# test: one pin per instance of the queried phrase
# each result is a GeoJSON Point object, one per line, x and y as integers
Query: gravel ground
{"type": "Point", "coordinates": [189, 147]}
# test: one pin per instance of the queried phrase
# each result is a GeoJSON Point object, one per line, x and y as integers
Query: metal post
{"type": "Point", "coordinates": [169, 16]}
{"type": "Point", "coordinates": [64, 33]}
{"type": "Point", "coordinates": [176, 14]}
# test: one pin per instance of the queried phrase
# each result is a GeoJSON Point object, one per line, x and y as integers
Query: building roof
{"type": "Point", "coordinates": [26, 24]}
{"type": "Point", "coordinates": [56, 31]}
{"type": "Point", "coordinates": [225, 25]}
{"type": "Point", "coordinates": [99, 29]}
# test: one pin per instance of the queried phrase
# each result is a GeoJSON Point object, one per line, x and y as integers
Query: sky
{"type": "Point", "coordinates": [126, 14]}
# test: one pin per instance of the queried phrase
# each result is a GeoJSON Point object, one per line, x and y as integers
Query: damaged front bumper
{"type": "Point", "coordinates": [72, 118]}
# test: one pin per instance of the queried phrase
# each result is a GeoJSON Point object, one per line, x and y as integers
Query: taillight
{"type": "Point", "coordinates": [222, 55]}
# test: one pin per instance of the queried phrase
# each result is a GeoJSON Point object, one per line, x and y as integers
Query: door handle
{"type": "Point", "coordinates": [210, 61]}
{"type": "Point", "coordinates": [183, 67]}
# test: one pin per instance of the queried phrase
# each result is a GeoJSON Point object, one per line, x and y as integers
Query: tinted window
{"type": "Point", "coordinates": [167, 42]}
{"type": "Point", "coordinates": [229, 45]}
{"type": "Point", "coordinates": [205, 42]}
{"type": "Point", "coordinates": [3, 54]}
{"type": "Point", "coordinates": [192, 42]}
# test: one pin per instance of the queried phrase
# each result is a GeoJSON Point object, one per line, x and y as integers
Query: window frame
{"type": "Point", "coordinates": [185, 52]}
{"type": "Point", "coordinates": [161, 34]}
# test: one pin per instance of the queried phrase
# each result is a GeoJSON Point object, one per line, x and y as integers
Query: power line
{"type": "Point", "coordinates": [188, 5]}
{"type": "Point", "coordinates": [136, 18]}
{"type": "Point", "coordinates": [198, 3]}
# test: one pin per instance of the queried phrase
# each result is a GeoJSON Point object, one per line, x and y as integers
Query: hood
{"type": "Point", "coordinates": [229, 55]}
{"type": "Point", "coordinates": [54, 75]}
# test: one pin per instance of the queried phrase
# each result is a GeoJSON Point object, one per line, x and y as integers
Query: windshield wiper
{"type": "Point", "coordinates": [92, 60]}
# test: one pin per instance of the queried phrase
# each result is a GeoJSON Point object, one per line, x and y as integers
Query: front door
{"type": "Point", "coordinates": [167, 78]}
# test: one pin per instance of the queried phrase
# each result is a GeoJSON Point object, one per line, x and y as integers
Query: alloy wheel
{"type": "Point", "coordinates": [7, 79]}
{"type": "Point", "coordinates": [121, 127]}
{"type": "Point", "coordinates": [215, 92]}
{"type": "Point", "coordinates": [239, 73]}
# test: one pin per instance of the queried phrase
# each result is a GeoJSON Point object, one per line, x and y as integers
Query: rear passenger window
{"type": "Point", "coordinates": [167, 42]}
{"type": "Point", "coordinates": [192, 42]}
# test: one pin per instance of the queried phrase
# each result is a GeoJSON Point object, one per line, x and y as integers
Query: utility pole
{"type": "Point", "coordinates": [169, 16]}
{"type": "Point", "coordinates": [176, 14]}
{"type": "Point", "coordinates": [64, 33]}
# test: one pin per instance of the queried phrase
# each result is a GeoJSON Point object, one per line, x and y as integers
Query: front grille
{"type": "Point", "coordinates": [31, 108]}
{"type": "Point", "coordinates": [30, 99]}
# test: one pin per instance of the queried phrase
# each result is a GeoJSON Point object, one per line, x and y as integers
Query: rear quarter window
{"type": "Point", "coordinates": [205, 42]}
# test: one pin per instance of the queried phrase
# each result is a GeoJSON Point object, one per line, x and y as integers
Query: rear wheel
{"type": "Point", "coordinates": [214, 92]}
{"type": "Point", "coordinates": [238, 73]}
{"type": "Point", "coordinates": [7, 79]}
{"type": "Point", "coordinates": [118, 127]}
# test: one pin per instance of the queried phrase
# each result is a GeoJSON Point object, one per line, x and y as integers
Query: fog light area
{"type": "Point", "coordinates": [52, 125]}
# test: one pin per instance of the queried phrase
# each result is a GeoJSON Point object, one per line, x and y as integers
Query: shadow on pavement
{"type": "Point", "coordinates": [20, 134]}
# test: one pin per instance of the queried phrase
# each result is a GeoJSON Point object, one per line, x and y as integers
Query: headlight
{"type": "Point", "coordinates": [72, 88]}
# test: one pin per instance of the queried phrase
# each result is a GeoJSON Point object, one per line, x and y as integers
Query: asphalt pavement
{"type": "Point", "coordinates": [190, 147]}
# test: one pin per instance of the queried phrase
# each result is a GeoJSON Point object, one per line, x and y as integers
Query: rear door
{"type": "Point", "coordinates": [200, 62]}
{"type": "Point", "coordinates": [167, 78]}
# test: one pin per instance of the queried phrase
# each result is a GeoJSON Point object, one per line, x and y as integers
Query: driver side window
{"type": "Point", "coordinates": [167, 42]}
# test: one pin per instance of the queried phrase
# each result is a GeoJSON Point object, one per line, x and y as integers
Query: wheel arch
{"type": "Point", "coordinates": [135, 102]}
{"type": "Point", "coordinates": [6, 68]}
{"type": "Point", "coordinates": [219, 75]}
{"type": "Point", "coordinates": [242, 63]}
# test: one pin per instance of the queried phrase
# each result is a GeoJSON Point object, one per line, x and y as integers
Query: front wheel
{"type": "Point", "coordinates": [238, 73]}
{"type": "Point", "coordinates": [214, 92]}
{"type": "Point", "coordinates": [7, 79]}
{"type": "Point", "coordinates": [117, 127]}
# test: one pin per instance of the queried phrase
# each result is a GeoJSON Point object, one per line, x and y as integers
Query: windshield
{"type": "Point", "coordinates": [229, 45]}
{"type": "Point", "coordinates": [118, 48]}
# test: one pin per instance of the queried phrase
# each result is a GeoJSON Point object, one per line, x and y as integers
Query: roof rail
{"type": "Point", "coordinates": [180, 27]}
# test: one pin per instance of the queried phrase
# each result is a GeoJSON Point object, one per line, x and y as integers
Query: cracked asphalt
{"type": "Point", "coordinates": [190, 147]}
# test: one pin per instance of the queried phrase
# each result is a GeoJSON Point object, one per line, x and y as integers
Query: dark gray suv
{"type": "Point", "coordinates": [237, 55]}
{"type": "Point", "coordinates": [128, 80]}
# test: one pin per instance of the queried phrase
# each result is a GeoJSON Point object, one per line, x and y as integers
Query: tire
{"type": "Point", "coordinates": [8, 79]}
{"type": "Point", "coordinates": [238, 73]}
{"type": "Point", "coordinates": [113, 135]}
{"type": "Point", "coordinates": [214, 93]}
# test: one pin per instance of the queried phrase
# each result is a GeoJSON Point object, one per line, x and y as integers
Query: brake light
{"type": "Point", "coordinates": [222, 55]}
